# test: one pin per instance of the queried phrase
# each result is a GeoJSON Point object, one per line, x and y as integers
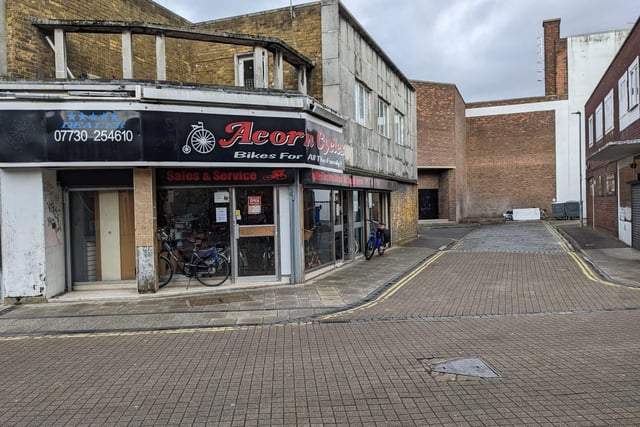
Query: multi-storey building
{"type": "Point", "coordinates": [612, 145]}
{"type": "Point", "coordinates": [479, 159]}
{"type": "Point", "coordinates": [278, 134]}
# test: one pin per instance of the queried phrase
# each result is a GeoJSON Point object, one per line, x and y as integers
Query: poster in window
{"type": "Point", "coordinates": [221, 214]}
{"type": "Point", "coordinates": [254, 205]}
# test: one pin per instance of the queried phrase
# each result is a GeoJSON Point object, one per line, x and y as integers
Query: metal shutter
{"type": "Point", "coordinates": [635, 216]}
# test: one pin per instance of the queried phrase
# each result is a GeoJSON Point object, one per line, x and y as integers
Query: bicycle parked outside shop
{"type": "Point", "coordinates": [378, 240]}
{"type": "Point", "coordinates": [210, 266]}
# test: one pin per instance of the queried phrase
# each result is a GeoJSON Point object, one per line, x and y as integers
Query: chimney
{"type": "Point", "coordinates": [555, 59]}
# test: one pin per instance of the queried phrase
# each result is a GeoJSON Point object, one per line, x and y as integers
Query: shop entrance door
{"type": "Point", "coordinates": [256, 249]}
{"type": "Point", "coordinates": [102, 236]}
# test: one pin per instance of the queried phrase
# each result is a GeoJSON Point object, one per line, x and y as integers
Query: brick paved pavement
{"type": "Point", "coordinates": [566, 347]}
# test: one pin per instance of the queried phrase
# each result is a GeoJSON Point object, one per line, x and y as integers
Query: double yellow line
{"type": "Point", "coordinates": [389, 292]}
{"type": "Point", "coordinates": [584, 267]}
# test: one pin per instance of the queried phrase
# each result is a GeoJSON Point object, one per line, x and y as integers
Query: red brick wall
{"type": "Point", "coordinates": [602, 196]}
{"type": "Point", "coordinates": [441, 133]}
{"type": "Point", "coordinates": [435, 123]}
{"type": "Point", "coordinates": [511, 163]}
{"type": "Point", "coordinates": [555, 59]}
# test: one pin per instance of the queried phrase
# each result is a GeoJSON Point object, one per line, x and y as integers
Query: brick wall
{"type": "Point", "coordinates": [555, 59]}
{"type": "Point", "coordinates": [601, 195]}
{"type": "Point", "coordinates": [302, 32]}
{"type": "Point", "coordinates": [511, 163]}
{"type": "Point", "coordinates": [404, 215]}
{"type": "Point", "coordinates": [435, 123]}
{"type": "Point", "coordinates": [30, 57]}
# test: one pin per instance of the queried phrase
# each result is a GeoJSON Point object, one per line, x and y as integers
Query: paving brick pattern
{"type": "Point", "coordinates": [566, 349]}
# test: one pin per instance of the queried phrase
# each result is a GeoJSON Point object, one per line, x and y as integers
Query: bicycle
{"type": "Point", "coordinates": [375, 240]}
{"type": "Point", "coordinates": [209, 266]}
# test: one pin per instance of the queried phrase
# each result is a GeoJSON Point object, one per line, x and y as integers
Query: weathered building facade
{"type": "Point", "coordinates": [612, 146]}
{"type": "Point", "coordinates": [278, 134]}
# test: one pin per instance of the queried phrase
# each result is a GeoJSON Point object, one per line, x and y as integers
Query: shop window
{"type": "Point", "coordinates": [194, 213]}
{"type": "Point", "coordinates": [318, 228]}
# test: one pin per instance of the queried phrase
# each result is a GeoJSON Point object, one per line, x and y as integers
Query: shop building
{"type": "Point", "coordinates": [283, 165]}
{"type": "Point", "coordinates": [611, 124]}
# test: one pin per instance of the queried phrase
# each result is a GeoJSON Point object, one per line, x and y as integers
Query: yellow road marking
{"type": "Point", "coordinates": [389, 292]}
{"type": "Point", "coordinates": [584, 267]}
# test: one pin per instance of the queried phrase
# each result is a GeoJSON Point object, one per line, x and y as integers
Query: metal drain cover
{"type": "Point", "coordinates": [473, 367]}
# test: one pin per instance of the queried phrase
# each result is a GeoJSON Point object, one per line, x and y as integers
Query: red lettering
{"type": "Point", "coordinates": [241, 133]}
{"type": "Point", "coordinates": [260, 137]}
{"type": "Point", "coordinates": [278, 138]}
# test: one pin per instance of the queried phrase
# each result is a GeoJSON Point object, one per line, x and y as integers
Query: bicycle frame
{"type": "Point", "coordinates": [211, 269]}
{"type": "Point", "coordinates": [375, 241]}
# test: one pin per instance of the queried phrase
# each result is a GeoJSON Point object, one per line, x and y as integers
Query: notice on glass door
{"type": "Point", "coordinates": [221, 214]}
{"type": "Point", "coordinates": [254, 205]}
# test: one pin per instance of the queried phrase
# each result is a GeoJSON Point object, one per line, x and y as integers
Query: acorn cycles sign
{"type": "Point", "coordinates": [92, 136]}
{"type": "Point", "coordinates": [240, 139]}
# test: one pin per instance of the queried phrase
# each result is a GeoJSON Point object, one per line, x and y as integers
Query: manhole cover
{"type": "Point", "coordinates": [218, 299]}
{"type": "Point", "coordinates": [473, 367]}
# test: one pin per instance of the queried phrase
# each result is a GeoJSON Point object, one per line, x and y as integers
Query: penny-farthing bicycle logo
{"type": "Point", "coordinates": [201, 139]}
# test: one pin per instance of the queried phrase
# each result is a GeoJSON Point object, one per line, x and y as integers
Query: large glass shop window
{"type": "Point", "coordinates": [195, 213]}
{"type": "Point", "coordinates": [318, 220]}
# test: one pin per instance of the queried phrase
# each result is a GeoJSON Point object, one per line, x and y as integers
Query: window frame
{"type": "Point", "coordinates": [240, 60]}
{"type": "Point", "coordinates": [608, 112]}
{"type": "Point", "coordinates": [599, 122]}
{"type": "Point", "coordinates": [590, 130]}
{"type": "Point", "coordinates": [362, 101]}
{"type": "Point", "coordinates": [633, 85]}
{"type": "Point", "coordinates": [399, 127]}
{"type": "Point", "coordinates": [382, 122]}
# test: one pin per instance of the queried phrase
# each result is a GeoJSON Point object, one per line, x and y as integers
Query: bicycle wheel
{"type": "Point", "coordinates": [212, 272]}
{"type": "Point", "coordinates": [370, 248]}
{"type": "Point", "coordinates": [165, 270]}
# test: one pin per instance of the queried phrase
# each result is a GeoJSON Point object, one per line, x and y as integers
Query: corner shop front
{"type": "Point", "coordinates": [106, 176]}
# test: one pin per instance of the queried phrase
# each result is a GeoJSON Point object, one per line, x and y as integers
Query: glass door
{"type": "Point", "coordinates": [256, 248]}
{"type": "Point", "coordinates": [102, 236]}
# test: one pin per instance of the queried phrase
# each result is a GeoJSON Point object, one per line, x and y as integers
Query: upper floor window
{"type": "Point", "coordinates": [623, 95]}
{"type": "Point", "coordinates": [608, 112]}
{"type": "Point", "coordinates": [633, 85]}
{"type": "Point", "coordinates": [590, 130]}
{"type": "Point", "coordinates": [599, 133]}
{"type": "Point", "coordinates": [244, 70]}
{"type": "Point", "coordinates": [362, 104]}
{"type": "Point", "coordinates": [398, 121]}
{"type": "Point", "coordinates": [383, 118]}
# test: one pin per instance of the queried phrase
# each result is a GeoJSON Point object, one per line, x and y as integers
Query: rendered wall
{"type": "Point", "coordinates": [358, 60]}
{"type": "Point", "coordinates": [54, 234]}
{"type": "Point", "coordinates": [24, 272]}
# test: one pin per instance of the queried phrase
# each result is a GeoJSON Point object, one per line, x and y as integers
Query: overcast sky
{"type": "Point", "coordinates": [490, 49]}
